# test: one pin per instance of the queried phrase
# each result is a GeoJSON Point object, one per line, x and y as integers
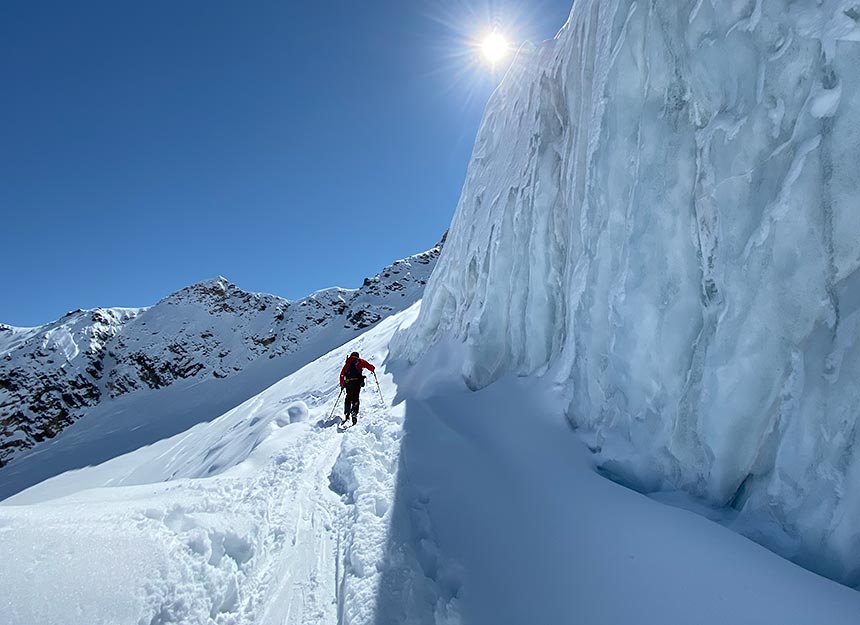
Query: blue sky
{"type": "Point", "coordinates": [289, 146]}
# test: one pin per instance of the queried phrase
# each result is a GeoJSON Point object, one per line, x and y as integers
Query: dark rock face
{"type": "Point", "coordinates": [51, 375]}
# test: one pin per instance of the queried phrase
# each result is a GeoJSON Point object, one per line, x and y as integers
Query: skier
{"type": "Point", "coordinates": [352, 380]}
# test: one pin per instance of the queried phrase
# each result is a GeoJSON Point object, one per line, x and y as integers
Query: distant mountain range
{"type": "Point", "coordinates": [51, 375]}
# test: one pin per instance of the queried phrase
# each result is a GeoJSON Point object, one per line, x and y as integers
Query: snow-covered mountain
{"type": "Point", "coordinates": [661, 215]}
{"type": "Point", "coordinates": [441, 507]}
{"type": "Point", "coordinates": [52, 375]}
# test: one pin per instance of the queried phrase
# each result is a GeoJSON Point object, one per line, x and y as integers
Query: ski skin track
{"type": "Point", "coordinates": [324, 533]}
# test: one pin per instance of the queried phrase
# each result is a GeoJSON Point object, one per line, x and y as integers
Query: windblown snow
{"type": "Point", "coordinates": [661, 214]}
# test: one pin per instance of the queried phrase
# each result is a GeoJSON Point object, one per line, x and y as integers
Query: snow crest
{"type": "Point", "coordinates": [661, 215]}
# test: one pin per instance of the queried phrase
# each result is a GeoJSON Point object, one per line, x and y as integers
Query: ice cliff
{"type": "Point", "coordinates": [662, 214]}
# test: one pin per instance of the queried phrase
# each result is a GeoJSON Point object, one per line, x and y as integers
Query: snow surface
{"type": "Point", "coordinates": [661, 214]}
{"type": "Point", "coordinates": [446, 507]}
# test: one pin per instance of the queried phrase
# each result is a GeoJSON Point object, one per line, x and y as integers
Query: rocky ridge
{"type": "Point", "coordinates": [52, 374]}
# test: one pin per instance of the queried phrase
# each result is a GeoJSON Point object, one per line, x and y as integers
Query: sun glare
{"type": "Point", "coordinates": [494, 47]}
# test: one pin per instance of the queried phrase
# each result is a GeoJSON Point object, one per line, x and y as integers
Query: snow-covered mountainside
{"type": "Point", "coordinates": [661, 215]}
{"type": "Point", "coordinates": [419, 515]}
{"type": "Point", "coordinates": [52, 375]}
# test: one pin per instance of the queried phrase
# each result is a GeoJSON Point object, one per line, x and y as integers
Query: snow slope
{"type": "Point", "coordinates": [52, 376]}
{"type": "Point", "coordinates": [233, 521]}
{"type": "Point", "coordinates": [661, 215]}
{"type": "Point", "coordinates": [446, 507]}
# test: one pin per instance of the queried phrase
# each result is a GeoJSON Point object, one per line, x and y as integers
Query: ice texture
{"type": "Point", "coordinates": [661, 214]}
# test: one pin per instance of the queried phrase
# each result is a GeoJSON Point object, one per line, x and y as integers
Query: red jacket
{"type": "Point", "coordinates": [362, 364]}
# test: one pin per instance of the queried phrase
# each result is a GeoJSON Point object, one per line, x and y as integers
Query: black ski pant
{"type": "Point", "coordinates": [353, 391]}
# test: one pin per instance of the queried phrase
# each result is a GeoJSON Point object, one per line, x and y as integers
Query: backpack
{"type": "Point", "coordinates": [353, 371]}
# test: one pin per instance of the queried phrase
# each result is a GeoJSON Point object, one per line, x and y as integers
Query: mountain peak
{"type": "Point", "coordinates": [209, 292]}
{"type": "Point", "coordinates": [219, 283]}
{"type": "Point", "coordinates": [52, 375]}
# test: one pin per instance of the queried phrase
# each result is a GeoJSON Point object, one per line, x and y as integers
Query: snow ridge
{"type": "Point", "coordinates": [52, 375]}
{"type": "Point", "coordinates": [661, 215]}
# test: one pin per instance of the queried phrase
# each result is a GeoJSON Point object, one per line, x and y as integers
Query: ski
{"type": "Point", "coordinates": [346, 424]}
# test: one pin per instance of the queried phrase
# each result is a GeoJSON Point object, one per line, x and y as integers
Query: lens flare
{"type": "Point", "coordinates": [494, 47]}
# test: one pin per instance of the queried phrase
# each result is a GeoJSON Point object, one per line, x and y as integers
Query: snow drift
{"type": "Point", "coordinates": [661, 215]}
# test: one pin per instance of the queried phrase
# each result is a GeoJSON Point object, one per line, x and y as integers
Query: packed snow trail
{"type": "Point", "coordinates": [446, 508]}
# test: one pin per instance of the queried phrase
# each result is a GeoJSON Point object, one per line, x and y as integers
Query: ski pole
{"type": "Point", "coordinates": [336, 402]}
{"type": "Point", "coordinates": [378, 388]}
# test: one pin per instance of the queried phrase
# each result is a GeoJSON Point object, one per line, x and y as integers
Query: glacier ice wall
{"type": "Point", "coordinates": [662, 213]}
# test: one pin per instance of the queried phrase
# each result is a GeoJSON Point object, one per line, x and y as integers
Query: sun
{"type": "Point", "coordinates": [494, 47]}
